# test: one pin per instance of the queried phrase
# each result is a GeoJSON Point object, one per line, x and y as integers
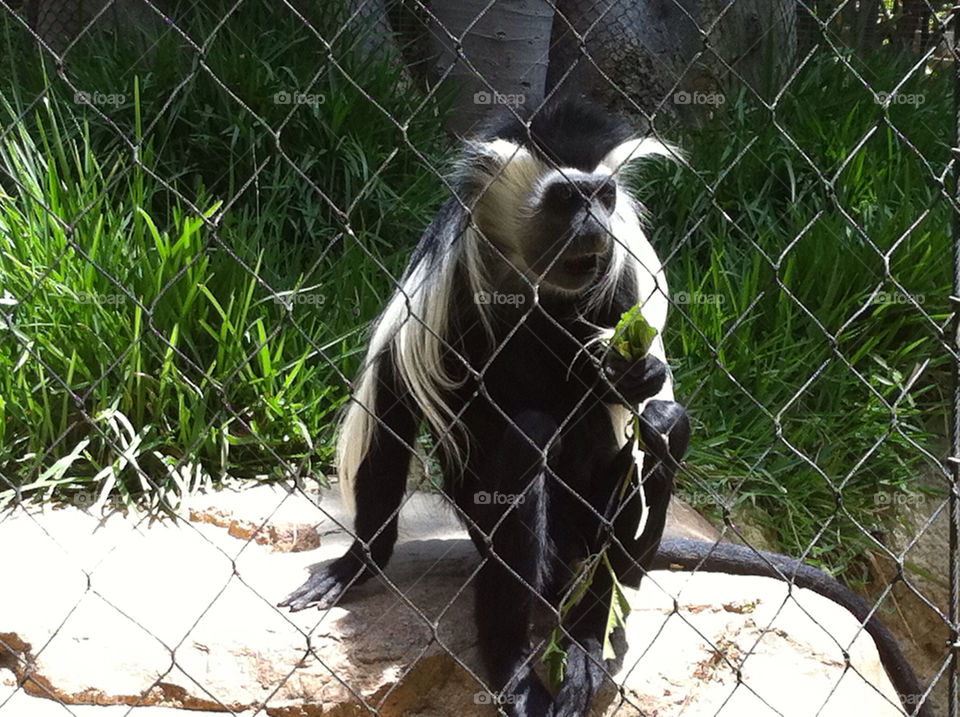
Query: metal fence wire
{"type": "Point", "coordinates": [204, 207]}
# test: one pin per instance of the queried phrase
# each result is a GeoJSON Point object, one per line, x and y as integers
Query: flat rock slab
{"type": "Point", "coordinates": [107, 613]}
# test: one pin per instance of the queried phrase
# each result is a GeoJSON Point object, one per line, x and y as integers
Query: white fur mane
{"type": "Point", "coordinates": [412, 329]}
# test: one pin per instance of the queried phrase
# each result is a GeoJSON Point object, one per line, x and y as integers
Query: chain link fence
{"type": "Point", "coordinates": [204, 207]}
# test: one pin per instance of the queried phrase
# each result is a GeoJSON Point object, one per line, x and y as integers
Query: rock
{"type": "Point", "coordinates": [922, 537]}
{"type": "Point", "coordinates": [684, 522]}
{"type": "Point", "coordinates": [128, 610]}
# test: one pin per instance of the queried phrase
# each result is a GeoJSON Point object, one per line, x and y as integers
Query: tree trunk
{"type": "Point", "coordinates": [868, 17]}
{"type": "Point", "coordinates": [633, 52]}
{"type": "Point", "coordinates": [504, 54]}
{"type": "Point", "coordinates": [913, 27]}
{"type": "Point", "coordinates": [672, 57]}
{"type": "Point", "coordinates": [59, 23]}
{"type": "Point", "coordinates": [379, 39]}
{"type": "Point", "coordinates": [753, 43]}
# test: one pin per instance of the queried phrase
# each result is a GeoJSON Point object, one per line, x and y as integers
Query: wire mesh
{"type": "Point", "coordinates": [188, 287]}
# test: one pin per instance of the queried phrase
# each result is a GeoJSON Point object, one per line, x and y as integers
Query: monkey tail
{"type": "Point", "coordinates": [688, 554]}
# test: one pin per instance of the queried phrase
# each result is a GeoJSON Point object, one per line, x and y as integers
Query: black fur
{"type": "Point", "coordinates": [534, 424]}
{"type": "Point", "coordinates": [538, 431]}
{"type": "Point", "coordinates": [566, 134]}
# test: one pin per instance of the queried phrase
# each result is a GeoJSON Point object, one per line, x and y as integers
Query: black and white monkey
{"type": "Point", "coordinates": [493, 338]}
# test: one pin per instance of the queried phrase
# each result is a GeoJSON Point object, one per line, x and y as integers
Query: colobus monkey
{"type": "Point", "coordinates": [493, 338]}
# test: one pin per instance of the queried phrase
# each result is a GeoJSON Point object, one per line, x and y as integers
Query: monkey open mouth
{"type": "Point", "coordinates": [578, 265]}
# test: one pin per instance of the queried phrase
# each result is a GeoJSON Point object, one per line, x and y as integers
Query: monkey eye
{"type": "Point", "coordinates": [606, 194]}
{"type": "Point", "coordinates": [561, 195]}
{"type": "Point", "coordinates": [566, 192]}
{"type": "Point", "coordinates": [568, 196]}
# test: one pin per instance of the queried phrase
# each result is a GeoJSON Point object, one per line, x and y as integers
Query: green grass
{"type": "Point", "coordinates": [147, 351]}
{"type": "Point", "coordinates": [785, 424]}
{"type": "Point", "coordinates": [186, 361]}
{"type": "Point", "coordinates": [128, 340]}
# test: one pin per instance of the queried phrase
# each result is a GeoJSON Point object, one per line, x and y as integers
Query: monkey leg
{"type": "Point", "coordinates": [516, 563]}
{"type": "Point", "coordinates": [378, 491]}
{"type": "Point", "coordinates": [585, 671]}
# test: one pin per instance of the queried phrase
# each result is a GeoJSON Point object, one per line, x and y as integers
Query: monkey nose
{"type": "Point", "coordinates": [593, 238]}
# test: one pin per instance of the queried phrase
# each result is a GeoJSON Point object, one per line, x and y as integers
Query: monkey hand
{"type": "Point", "coordinates": [665, 431]}
{"type": "Point", "coordinates": [630, 382]}
{"type": "Point", "coordinates": [326, 586]}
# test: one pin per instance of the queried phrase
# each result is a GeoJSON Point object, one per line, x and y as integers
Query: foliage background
{"type": "Point", "coordinates": [187, 272]}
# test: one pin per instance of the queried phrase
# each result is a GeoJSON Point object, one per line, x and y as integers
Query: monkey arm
{"type": "Point", "coordinates": [631, 382]}
{"type": "Point", "coordinates": [378, 488]}
{"type": "Point", "coordinates": [622, 381]}
{"type": "Point", "coordinates": [665, 431]}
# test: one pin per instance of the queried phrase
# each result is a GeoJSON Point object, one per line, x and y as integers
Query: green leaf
{"type": "Point", "coordinates": [617, 615]}
{"type": "Point", "coordinates": [555, 658]}
{"type": "Point", "coordinates": [633, 335]}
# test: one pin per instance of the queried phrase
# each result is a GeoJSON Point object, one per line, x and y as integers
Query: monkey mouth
{"type": "Point", "coordinates": [575, 273]}
{"type": "Point", "coordinates": [580, 265]}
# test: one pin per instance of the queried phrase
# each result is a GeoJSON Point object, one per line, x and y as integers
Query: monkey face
{"type": "Point", "coordinates": [562, 227]}
{"type": "Point", "coordinates": [568, 241]}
